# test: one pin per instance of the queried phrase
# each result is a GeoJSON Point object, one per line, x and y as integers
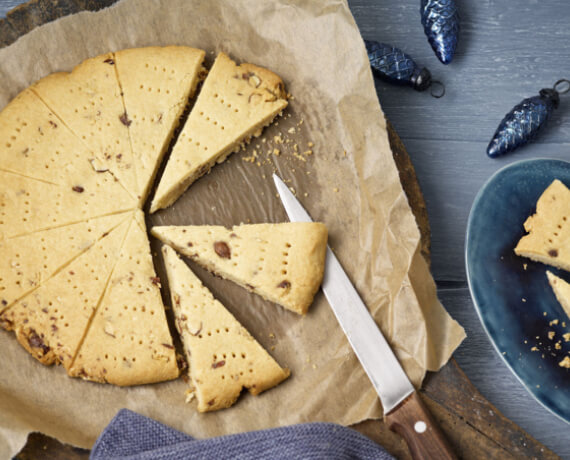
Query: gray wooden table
{"type": "Point", "coordinates": [508, 50]}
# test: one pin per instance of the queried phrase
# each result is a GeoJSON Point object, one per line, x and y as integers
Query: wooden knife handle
{"type": "Point", "coordinates": [411, 420]}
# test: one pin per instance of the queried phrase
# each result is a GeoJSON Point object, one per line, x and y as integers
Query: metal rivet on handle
{"type": "Point", "coordinates": [420, 427]}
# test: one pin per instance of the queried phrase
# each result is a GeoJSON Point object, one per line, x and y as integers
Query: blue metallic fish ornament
{"type": "Point", "coordinates": [523, 123]}
{"type": "Point", "coordinates": [394, 66]}
{"type": "Point", "coordinates": [440, 19]}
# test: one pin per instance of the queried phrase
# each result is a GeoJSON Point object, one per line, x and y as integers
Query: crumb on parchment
{"type": "Point", "coordinates": [190, 395]}
{"type": "Point", "coordinates": [565, 362]}
{"type": "Point", "coordinates": [298, 156]}
{"type": "Point", "coordinates": [282, 148]}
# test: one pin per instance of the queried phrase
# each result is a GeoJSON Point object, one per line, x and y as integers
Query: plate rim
{"type": "Point", "coordinates": [564, 417]}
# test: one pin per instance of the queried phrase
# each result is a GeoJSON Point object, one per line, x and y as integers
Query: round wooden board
{"type": "Point", "coordinates": [474, 426]}
{"type": "Point", "coordinates": [412, 188]}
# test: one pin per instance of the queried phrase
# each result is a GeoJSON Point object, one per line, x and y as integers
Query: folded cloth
{"type": "Point", "coordinates": [133, 436]}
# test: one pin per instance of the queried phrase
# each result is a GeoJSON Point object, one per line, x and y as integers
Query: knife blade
{"type": "Point", "coordinates": [403, 410]}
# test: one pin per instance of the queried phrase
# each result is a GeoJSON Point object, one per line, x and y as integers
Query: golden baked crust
{"type": "Point", "coordinates": [31, 259]}
{"type": "Point", "coordinates": [68, 189]}
{"type": "Point", "coordinates": [222, 356]}
{"type": "Point", "coordinates": [48, 177]}
{"type": "Point", "coordinates": [29, 205]}
{"type": "Point", "coordinates": [283, 263]}
{"type": "Point", "coordinates": [128, 341]}
{"type": "Point", "coordinates": [88, 100]}
{"type": "Point", "coordinates": [79, 154]}
{"type": "Point", "coordinates": [234, 104]}
{"type": "Point", "coordinates": [37, 145]}
{"type": "Point", "coordinates": [51, 320]}
{"type": "Point", "coordinates": [156, 83]}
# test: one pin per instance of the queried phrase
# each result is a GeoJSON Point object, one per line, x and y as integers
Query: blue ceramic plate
{"type": "Point", "coordinates": [516, 305]}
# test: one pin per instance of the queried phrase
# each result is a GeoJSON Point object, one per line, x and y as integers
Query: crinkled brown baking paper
{"type": "Point", "coordinates": [350, 182]}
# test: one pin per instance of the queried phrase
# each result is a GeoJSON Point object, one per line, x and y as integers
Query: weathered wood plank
{"type": "Point", "coordinates": [462, 400]}
{"type": "Point", "coordinates": [46, 448]}
{"type": "Point", "coordinates": [23, 18]}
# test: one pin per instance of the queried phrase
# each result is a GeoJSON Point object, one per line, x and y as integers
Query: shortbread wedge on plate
{"type": "Point", "coordinates": [548, 239]}
{"type": "Point", "coordinates": [561, 290]}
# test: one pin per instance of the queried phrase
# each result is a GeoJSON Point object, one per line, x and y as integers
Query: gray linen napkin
{"type": "Point", "coordinates": [133, 436]}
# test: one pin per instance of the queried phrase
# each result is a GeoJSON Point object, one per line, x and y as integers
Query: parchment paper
{"type": "Point", "coordinates": [350, 182]}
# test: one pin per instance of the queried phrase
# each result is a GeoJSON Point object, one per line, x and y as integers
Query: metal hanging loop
{"type": "Point", "coordinates": [437, 93]}
{"type": "Point", "coordinates": [562, 86]}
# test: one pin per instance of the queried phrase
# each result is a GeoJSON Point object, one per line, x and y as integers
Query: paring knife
{"type": "Point", "coordinates": [404, 411]}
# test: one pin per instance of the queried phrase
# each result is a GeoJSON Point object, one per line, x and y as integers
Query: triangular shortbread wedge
{"type": "Point", "coordinates": [51, 320]}
{"type": "Point", "coordinates": [283, 263]}
{"type": "Point", "coordinates": [548, 239]}
{"type": "Point", "coordinates": [88, 100]}
{"type": "Point", "coordinates": [36, 144]}
{"type": "Point", "coordinates": [128, 342]}
{"type": "Point", "coordinates": [234, 104]}
{"type": "Point", "coordinates": [222, 356]}
{"type": "Point", "coordinates": [29, 205]}
{"type": "Point", "coordinates": [561, 290]}
{"type": "Point", "coordinates": [30, 259]}
{"type": "Point", "coordinates": [156, 84]}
